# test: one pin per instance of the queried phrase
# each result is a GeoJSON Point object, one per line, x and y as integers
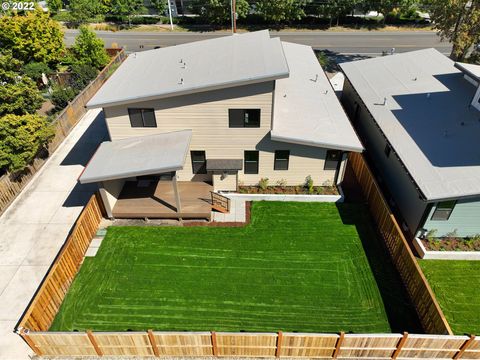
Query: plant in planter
{"type": "Point", "coordinates": [263, 184]}
{"type": "Point", "coordinates": [309, 184]}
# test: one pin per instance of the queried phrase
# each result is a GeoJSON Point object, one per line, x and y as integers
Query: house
{"type": "Point", "coordinates": [418, 115]}
{"type": "Point", "coordinates": [222, 112]}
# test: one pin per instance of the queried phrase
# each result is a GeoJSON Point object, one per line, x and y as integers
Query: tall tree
{"type": "Point", "coordinates": [21, 137]}
{"type": "Point", "coordinates": [32, 37]}
{"type": "Point", "coordinates": [334, 9]}
{"type": "Point", "coordinates": [81, 11]}
{"type": "Point", "coordinates": [54, 6]}
{"type": "Point", "coordinates": [18, 94]}
{"type": "Point", "coordinates": [90, 49]}
{"type": "Point", "coordinates": [161, 6]}
{"type": "Point", "coordinates": [459, 22]}
{"type": "Point", "coordinates": [280, 10]}
{"type": "Point", "coordinates": [218, 11]}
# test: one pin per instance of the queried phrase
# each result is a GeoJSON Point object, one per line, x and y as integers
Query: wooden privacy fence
{"type": "Point", "coordinates": [46, 303]}
{"type": "Point", "coordinates": [12, 184]}
{"type": "Point", "coordinates": [328, 346]}
{"type": "Point", "coordinates": [429, 312]}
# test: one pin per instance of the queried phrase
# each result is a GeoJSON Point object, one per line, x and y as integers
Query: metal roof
{"type": "Point", "coordinates": [306, 109]}
{"type": "Point", "coordinates": [471, 70]}
{"type": "Point", "coordinates": [143, 155]}
{"type": "Point", "coordinates": [224, 164]}
{"type": "Point", "coordinates": [193, 67]}
{"type": "Point", "coordinates": [421, 102]}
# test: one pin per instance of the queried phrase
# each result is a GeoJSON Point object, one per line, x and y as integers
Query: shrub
{"type": "Point", "coordinates": [263, 184]}
{"type": "Point", "coordinates": [90, 49]}
{"type": "Point", "coordinates": [431, 234]}
{"type": "Point", "coordinates": [34, 70]}
{"type": "Point", "coordinates": [282, 183]}
{"type": "Point", "coordinates": [82, 74]}
{"type": "Point", "coordinates": [309, 184]}
{"type": "Point", "coordinates": [143, 20]}
{"type": "Point", "coordinates": [21, 137]}
{"type": "Point", "coordinates": [60, 96]}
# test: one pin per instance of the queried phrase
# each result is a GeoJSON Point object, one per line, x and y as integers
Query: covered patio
{"type": "Point", "coordinates": [137, 178]}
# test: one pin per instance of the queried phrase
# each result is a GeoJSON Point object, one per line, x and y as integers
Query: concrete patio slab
{"type": "Point", "coordinates": [37, 223]}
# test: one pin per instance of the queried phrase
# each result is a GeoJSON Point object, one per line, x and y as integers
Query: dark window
{"type": "Point", "coordinates": [251, 162]}
{"type": "Point", "coordinates": [281, 159]}
{"type": "Point", "coordinates": [239, 118]}
{"type": "Point", "coordinates": [388, 150]}
{"type": "Point", "coordinates": [443, 210]}
{"type": "Point", "coordinates": [142, 117]}
{"type": "Point", "coordinates": [332, 159]}
{"type": "Point", "coordinates": [199, 162]}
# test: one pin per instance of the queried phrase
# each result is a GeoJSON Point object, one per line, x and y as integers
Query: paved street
{"type": "Point", "coordinates": [367, 43]}
{"type": "Point", "coordinates": [36, 225]}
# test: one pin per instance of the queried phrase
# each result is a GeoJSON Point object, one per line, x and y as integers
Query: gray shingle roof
{"type": "Point", "coordinates": [198, 66]}
{"type": "Point", "coordinates": [143, 155]}
{"type": "Point", "coordinates": [426, 118]}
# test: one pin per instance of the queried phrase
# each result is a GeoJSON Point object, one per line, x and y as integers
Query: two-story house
{"type": "Point", "coordinates": [418, 115]}
{"type": "Point", "coordinates": [224, 112]}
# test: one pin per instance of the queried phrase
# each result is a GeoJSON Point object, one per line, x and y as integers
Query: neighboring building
{"type": "Point", "coordinates": [418, 115]}
{"type": "Point", "coordinates": [254, 108]}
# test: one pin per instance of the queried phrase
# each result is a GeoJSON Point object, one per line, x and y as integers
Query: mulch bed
{"type": "Point", "coordinates": [452, 244]}
{"type": "Point", "coordinates": [289, 190]}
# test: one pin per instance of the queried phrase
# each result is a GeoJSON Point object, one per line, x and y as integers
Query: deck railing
{"type": "Point", "coordinates": [220, 202]}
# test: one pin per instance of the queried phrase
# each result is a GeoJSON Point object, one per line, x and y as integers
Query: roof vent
{"type": "Point", "coordinates": [316, 78]}
{"type": "Point", "coordinates": [181, 81]}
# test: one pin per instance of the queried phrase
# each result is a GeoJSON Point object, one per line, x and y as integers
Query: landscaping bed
{"type": "Point", "coordinates": [306, 267]}
{"type": "Point", "coordinates": [456, 285]}
{"type": "Point", "coordinates": [452, 243]}
{"type": "Point", "coordinates": [289, 190]}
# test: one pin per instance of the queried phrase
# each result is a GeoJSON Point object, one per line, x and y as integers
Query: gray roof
{"type": "Point", "coordinates": [203, 65]}
{"type": "Point", "coordinates": [143, 155]}
{"type": "Point", "coordinates": [306, 108]}
{"type": "Point", "coordinates": [224, 164]}
{"type": "Point", "coordinates": [471, 70]}
{"type": "Point", "coordinates": [426, 118]}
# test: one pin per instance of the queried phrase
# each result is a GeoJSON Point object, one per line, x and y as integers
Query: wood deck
{"type": "Point", "coordinates": [156, 200]}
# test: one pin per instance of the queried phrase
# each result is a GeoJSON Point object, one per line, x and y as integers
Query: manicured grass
{"type": "Point", "coordinates": [296, 267]}
{"type": "Point", "coordinates": [456, 285]}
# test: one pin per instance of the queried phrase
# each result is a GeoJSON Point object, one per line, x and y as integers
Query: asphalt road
{"type": "Point", "coordinates": [364, 43]}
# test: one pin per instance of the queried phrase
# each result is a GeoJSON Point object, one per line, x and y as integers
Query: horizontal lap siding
{"type": "Point", "coordinates": [207, 115]}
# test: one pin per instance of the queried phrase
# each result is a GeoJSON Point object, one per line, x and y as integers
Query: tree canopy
{"type": "Point", "coordinates": [89, 48]}
{"type": "Point", "coordinates": [280, 10]}
{"type": "Point", "coordinates": [32, 37]}
{"type": "Point", "coordinates": [18, 94]}
{"type": "Point", "coordinates": [459, 22]}
{"type": "Point", "coordinates": [21, 137]}
{"type": "Point", "coordinates": [218, 11]}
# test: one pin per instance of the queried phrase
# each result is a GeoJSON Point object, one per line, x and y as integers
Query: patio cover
{"type": "Point", "coordinates": [224, 164]}
{"type": "Point", "coordinates": [144, 155]}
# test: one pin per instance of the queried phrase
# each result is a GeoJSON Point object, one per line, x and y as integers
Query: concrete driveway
{"type": "Point", "coordinates": [35, 226]}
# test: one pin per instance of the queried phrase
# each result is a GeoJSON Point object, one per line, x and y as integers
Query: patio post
{"type": "Point", "coordinates": [175, 190]}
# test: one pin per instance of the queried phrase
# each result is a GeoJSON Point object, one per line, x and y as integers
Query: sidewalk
{"type": "Point", "coordinates": [36, 225]}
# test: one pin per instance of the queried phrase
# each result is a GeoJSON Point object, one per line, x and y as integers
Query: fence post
{"type": "Point", "coordinates": [464, 347]}
{"type": "Point", "coordinates": [214, 344]}
{"type": "Point", "coordinates": [94, 343]}
{"type": "Point", "coordinates": [338, 345]}
{"type": "Point", "coordinates": [24, 334]}
{"type": "Point", "coordinates": [279, 344]}
{"type": "Point", "coordinates": [153, 343]}
{"type": "Point", "coordinates": [400, 345]}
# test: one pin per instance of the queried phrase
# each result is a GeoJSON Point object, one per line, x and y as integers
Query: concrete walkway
{"type": "Point", "coordinates": [36, 225]}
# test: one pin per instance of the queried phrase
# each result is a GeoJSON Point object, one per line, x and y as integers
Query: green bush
{"type": "Point", "coordinates": [60, 96]}
{"type": "Point", "coordinates": [34, 70]}
{"type": "Point", "coordinates": [309, 184]}
{"type": "Point", "coordinates": [82, 74]}
{"type": "Point", "coordinates": [89, 48]}
{"type": "Point", "coordinates": [142, 20]}
{"type": "Point", "coordinates": [263, 183]}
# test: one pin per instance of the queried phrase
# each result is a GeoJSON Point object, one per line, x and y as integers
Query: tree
{"type": "Point", "coordinates": [218, 11]}
{"type": "Point", "coordinates": [89, 48]}
{"type": "Point", "coordinates": [33, 37]}
{"type": "Point", "coordinates": [161, 6]}
{"type": "Point", "coordinates": [335, 9]}
{"type": "Point", "coordinates": [459, 22]}
{"type": "Point", "coordinates": [387, 6]}
{"type": "Point", "coordinates": [18, 94]}
{"type": "Point", "coordinates": [34, 70]}
{"type": "Point", "coordinates": [81, 11]}
{"type": "Point", "coordinates": [21, 137]}
{"type": "Point", "coordinates": [280, 10]}
{"type": "Point", "coordinates": [82, 74]}
{"type": "Point", "coordinates": [61, 96]}
{"type": "Point", "coordinates": [54, 6]}
{"type": "Point", "coordinates": [127, 8]}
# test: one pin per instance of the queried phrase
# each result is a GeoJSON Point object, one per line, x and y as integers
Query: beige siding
{"type": "Point", "coordinates": [225, 183]}
{"type": "Point", "coordinates": [207, 115]}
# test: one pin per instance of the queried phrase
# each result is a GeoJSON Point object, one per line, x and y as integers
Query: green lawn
{"type": "Point", "coordinates": [296, 267]}
{"type": "Point", "coordinates": [456, 285]}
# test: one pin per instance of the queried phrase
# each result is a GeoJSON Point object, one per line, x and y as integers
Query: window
{"type": "Point", "coordinates": [332, 159]}
{"type": "Point", "coordinates": [142, 118]}
{"type": "Point", "coordinates": [281, 159]}
{"type": "Point", "coordinates": [251, 162]}
{"type": "Point", "coordinates": [388, 150]}
{"type": "Point", "coordinates": [443, 210]}
{"type": "Point", "coordinates": [239, 118]}
{"type": "Point", "coordinates": [199, 162]}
